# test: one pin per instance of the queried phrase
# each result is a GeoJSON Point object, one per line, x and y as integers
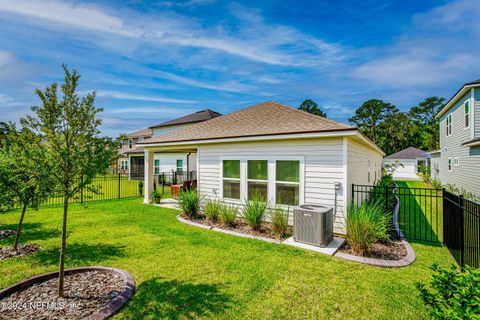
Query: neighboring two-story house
{"type": "Point", "coordinates": [132, 159]}
{"type": "Point", "coordinates": [457, 162]}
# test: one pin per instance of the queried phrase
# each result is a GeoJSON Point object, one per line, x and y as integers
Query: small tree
{"type": "Point", "coordinates": [311, 106]}
{"type": "Point", "coordinates": [22, 175]}
{"type": "Point", "coordinates": [74, 150]}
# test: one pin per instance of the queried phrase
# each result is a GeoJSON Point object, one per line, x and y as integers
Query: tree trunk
{"type": "Point", "coordinates": [19, 228]}
{"type": "Point", "coordinates": [62, 250]}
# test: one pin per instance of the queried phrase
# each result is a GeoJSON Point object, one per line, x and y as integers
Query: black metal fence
{"type": "Point", "coordinates": [431, 215]}
{"type": "Point", "coordinates": [462, 229]}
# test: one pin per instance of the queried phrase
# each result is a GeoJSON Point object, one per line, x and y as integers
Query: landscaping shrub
{"type": "Point", "coordinates": [212, 209]}
{"type": "Point", "coordinates": [228, 214]}
{"type": "Point", "coordinates": [190, 202]}
{"type": "Point", "coordinates": [366, 224]}
{"type": "Point", "coordinates": [254, 211]}
{"type": "Point", "coordinates": [436, 184]}
{"type": "Point", "coordinates": [156, 196]}
{"type": "Point", "coordinates": [140, 188]}
{"type": "Point", "coordinates": [452, 294]}
{"type": "Point", "coordinates": [279, 219]}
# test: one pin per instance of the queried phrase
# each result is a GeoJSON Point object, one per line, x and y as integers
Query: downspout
{"type": "Point", "coordinates": [188, 165]}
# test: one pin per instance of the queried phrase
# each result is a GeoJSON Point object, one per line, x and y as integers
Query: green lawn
{"type": "Point", "coordinates": [184, 272]}
{"type": "Point", "coordinates": [420, 215]}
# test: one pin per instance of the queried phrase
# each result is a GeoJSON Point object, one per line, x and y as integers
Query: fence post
{"type": "Point", "coordinates": [119, 186]}
{"type": "Point", "coordinates": [81, 190]}
{"type": "Point", "coordinates": [353, 193]}
{"type": "Point", "coordinates": [462, 230]}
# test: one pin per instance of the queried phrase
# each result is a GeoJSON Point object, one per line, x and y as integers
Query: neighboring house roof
{"type": "Point", "coordinates": [409, 153]}
{"type": "Point", "coordinates": [268, 118]}
{"type": "Point", "coordinates": [135, 150]}
{"type": "Point", "coordinates": [460, 93]}
{"type": "Point", "coordinates": [198, 116]}
{"type": "Point", "coordinates": [141, 133]}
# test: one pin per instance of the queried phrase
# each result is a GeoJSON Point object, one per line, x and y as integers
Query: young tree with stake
{"type": "Point", "coordinates": [76, 154]}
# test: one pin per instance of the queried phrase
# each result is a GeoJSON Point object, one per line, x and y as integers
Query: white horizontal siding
{"type": "Point", "coordinates": [323, 167]}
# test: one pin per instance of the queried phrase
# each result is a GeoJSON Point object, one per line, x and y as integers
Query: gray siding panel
{"type": "Point", "coordinates": [467, 174]}
{"type": "Point", "coordinates": [477, 112]}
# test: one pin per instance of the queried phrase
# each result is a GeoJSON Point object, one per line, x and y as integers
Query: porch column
{"type": "Point", "coordinates": [148, 185]}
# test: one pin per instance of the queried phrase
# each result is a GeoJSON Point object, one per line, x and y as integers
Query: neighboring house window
{"type": "Point", "coordinates": [287, 182]}
{"type": "Point", "coordinates": [467, 114]}
{"type": "Point", "coordinates": [456, 161]}
{"type": "Point", "coordinates": [156, 166]}
{"type": "Point", "coordinates": [257, 178]}
{"type": "Point", "coordinates": [231, 179]}
{"type": "Point", "coordinates": [449, 164]}
{"type": "Point", "coordinates": [130, 144]}
{"type": "Point", "coordinates": [368, 174]}
{"type": "Point", "coordinates": [449, 124]}
{"type": "Point", "coordinates": [179, 165]}
{"type": "Point", "coordinates": [124, 165]}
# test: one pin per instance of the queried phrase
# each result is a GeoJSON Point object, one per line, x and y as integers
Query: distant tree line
{"type": "Point", "coordinates": [393, 130]}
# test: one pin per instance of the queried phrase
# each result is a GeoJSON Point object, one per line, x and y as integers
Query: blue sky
{"type": "Point", "coordinates": [155, 60]}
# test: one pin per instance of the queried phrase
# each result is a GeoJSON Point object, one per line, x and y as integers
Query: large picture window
{"type": "Point", "coordinates": [231, 179]}
{"type": "Point", "coordinates": [257, 178]}
{"type": "Point", "coordinates": [287, 182]}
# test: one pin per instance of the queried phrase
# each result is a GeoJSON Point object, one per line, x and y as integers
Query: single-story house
{"type": "Point", "coordinates": [290, 156]}
{"type": "Point", "coordinates": [410, 158]}
{"type": "Point", "coordinates": [132, 160]}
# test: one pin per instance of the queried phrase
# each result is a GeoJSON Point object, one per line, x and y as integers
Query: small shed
{"type": "Point", "coordinates": [411, 158]}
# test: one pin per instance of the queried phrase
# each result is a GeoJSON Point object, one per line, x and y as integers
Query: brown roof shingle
{"type": "Point", "coordinates": [409, 153]}
{"type": "Point", "coordinates": [268, 118]}
{"type": "Point", "coordinates": [198, 116]}
{"type": "Point", "coordinates": [141, 133]}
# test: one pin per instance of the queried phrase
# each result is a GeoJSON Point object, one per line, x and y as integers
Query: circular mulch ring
{"type": "Point", "coordinates": [90, 293]}
{"type": "Point", "coordinates": [4, 234]}
{"type": "Point", "coordinates": [22, 250]}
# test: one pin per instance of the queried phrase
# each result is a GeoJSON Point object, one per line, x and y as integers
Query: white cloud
{"type": "Point", "coordinates": [69, 13]}
{"type": "Point", "coordinates": [148, 110]}
{"type": "Point", "coordinates": [5, 57]}
{"type": "Point", "coordinates": [7, 101]}
{"type": "Point", "coordinates": [127, 96]}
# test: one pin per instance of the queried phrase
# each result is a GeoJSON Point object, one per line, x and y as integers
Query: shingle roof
{"type": "Point", "coordinates": [409, 153]}
{"type": "Point", "coordinates": [141, 133]}
{"type": "Point", "coordinates": [135, 150]}
{"type": "Point", "coordinates": [198, 116]}
{"type": "Point", "coordinates": [268, 118]}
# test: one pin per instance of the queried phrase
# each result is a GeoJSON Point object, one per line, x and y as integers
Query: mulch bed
{"type": "Point", "coordinates": [85, 293]}
{"type": "Point", "coordinates": [387, 250]}
{"type": "Point", "coordinates": [241, 226]}
{"type": "Point", "coordinates": [22, 250]}
{"type": "Point", "coordinates": [6, 233]}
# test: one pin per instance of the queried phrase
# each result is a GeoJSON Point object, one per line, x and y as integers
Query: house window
{"type": "Point", "coordinates": [456, 161]}
{"type": "Point", "coordinates": [179, 165]}
{"type": "Point", "coordinates": [156, 166]}
{"type": "Point", "coordinates": [130, 144]}
{"type": "Point", "coordinates": [449, 164]}
{"type": "Point", "coordinates": [467, 114]}
{"type": "Point", "coordinates": [287, 182]}
{"type": "Point", "coordinates": [231, 179]}
{"type": "Point", "coordinates": [449, 125]}
{"type": "Point", "coordinates": [257, 178]}
{"type": "Point", "coordinates": [124, 165]}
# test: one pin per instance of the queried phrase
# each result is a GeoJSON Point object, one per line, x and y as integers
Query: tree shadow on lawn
{"type": "Point", "coordinates": [81, 254]}
{"type": "Point", "coordinates": [31, 231]}
{"type": "Point", "coordinates": [161, 299]}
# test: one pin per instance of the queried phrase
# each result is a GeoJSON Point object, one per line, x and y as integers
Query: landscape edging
{"type": "Point", "coordinates": [407, 260]}
{"type": "Point", "coordinates": [107, 311]}
{"type": "Point", "coordinates": [239, 234]}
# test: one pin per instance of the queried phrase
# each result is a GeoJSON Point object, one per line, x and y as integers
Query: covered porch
{"type": "Point", "coordinates": [152, 173]}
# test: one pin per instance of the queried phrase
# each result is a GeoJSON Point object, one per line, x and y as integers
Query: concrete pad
{"type": "Point", "coordinates": [330, 249]}
{"type": "Point", "coordinates": [169, 203]}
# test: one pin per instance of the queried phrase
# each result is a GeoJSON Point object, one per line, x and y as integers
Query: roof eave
{"type": "Point", "coordinates": [460, 93]}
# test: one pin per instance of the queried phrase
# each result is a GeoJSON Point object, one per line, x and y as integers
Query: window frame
{"type": "Point", "coordinates": [176, 165]}
{"type": "Point", "coordinates": [456, 161]}
{"type": "Point", "coordinates": [271, 189]}
{"type": "Point", "coordinates": [130, 143]}
{"type": "Point", "coordinates": [448, 125]}
{"type": "Point", "coordinates": [155, 167]}
{"type": "Point", "coordinates": [450, 164]}
{"type": "Point", "coordinates": [466, 114]}
{"type": "Point", "coordinates": [257, 180]}
{"type": "Point", "coordinates": [287, 182]}
{"type": "Point", "coordinates": [222, 178]}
